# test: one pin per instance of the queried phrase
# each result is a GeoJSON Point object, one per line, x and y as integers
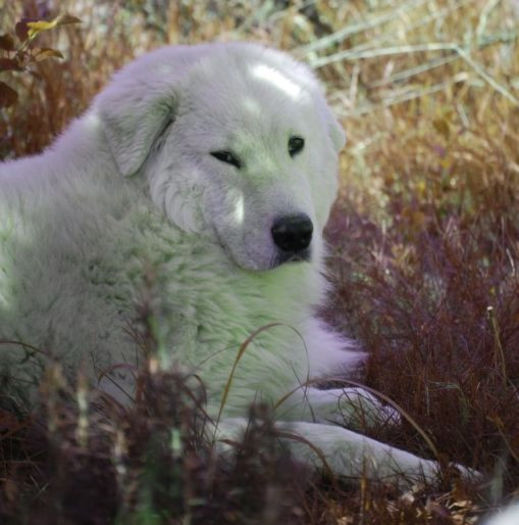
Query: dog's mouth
{"type": "Point", "coordinates": [283, 257]}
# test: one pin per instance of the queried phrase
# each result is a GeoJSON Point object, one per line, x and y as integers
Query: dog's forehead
{"type": "Point", "coordinates": [252, 92]}
{"type": "Point", "coordinates": [269, 78]}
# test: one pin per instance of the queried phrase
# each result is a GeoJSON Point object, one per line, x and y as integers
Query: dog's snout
{"type": "Point", "coordinates": [292, 233]}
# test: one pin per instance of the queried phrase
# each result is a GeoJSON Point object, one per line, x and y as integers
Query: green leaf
{"type": "Point", "coordinates": [38, 26]}
{"type": "Point", "coordinates": [8, 96]}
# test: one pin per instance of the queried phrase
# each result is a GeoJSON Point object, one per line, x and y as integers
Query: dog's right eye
{"type": "Point", "coordinates": [227, 157]}
{"type": "Point", "coordinates": [295, 145]}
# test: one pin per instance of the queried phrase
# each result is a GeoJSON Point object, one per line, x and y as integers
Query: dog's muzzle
{"type": "Point", "coordinates": [292, 234]}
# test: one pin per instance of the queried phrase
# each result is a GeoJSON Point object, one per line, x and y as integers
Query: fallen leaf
{"type": "Point", "coordinates": [47, 52]}
{"type": "Point", "coordinates": [6, 42]}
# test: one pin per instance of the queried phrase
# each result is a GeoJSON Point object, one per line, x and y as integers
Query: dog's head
{"type": "Point", "coordinates": [237, 142]}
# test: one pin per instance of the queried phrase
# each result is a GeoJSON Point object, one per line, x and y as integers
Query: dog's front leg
{"type": "Point", "coordinates": [353, 407]}
{"type": "Point", "coordinates": [345, 452]}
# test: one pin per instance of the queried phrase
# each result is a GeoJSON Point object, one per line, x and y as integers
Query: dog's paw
{"type": "Point", "coordinates": [361, 409]}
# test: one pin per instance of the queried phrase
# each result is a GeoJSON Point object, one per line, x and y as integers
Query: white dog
{"type": "Point", "coordinates": [215, 166]}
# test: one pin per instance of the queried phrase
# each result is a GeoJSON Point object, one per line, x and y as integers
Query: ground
{"type": "Point", "coordinates": [424, 258]}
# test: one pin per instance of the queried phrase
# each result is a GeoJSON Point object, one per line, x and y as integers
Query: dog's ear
{"type": "Point", "coordinates": [331, 124]}
{"type": "Point", "coordinates": [134, 114]}
{"type": "Point", "coordinates": [337, 133]}
{"type": "Point", "coordinates": [334, 128]}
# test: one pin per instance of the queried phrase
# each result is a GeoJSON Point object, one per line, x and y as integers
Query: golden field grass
{"type": "Point", "coordinates": [424, 243]}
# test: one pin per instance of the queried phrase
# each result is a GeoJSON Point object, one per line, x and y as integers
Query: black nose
{"type": "Point", "coordinates": [292, 233]}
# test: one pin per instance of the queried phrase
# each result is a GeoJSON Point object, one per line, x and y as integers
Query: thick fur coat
{"type": "Point", "coordinates": [189, 167]}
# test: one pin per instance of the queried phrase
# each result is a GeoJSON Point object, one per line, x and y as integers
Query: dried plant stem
{"type": "Point", "coordinates": [407, 96]}
{"type": "Point", "coordinates": [483, 74]}
{"type": "Point", "coordinates": [353, 29]}
{"type": "Point", "coordinates": [400, 410]}
{"type": "Point", "coordinates": [413, 71]}
{"type": "Point", "coordinates": [390, 35]}
{"type": "Point", "coordinates": [382, 51]}
{"type": "Point", "coordinates": [483, 18]}
{"type": "Point", "coordinates": [499, 355]}
{"type": "Point", "coordinates": [432, 46]}
{"type": "Point", "coordinates": [241, 351]}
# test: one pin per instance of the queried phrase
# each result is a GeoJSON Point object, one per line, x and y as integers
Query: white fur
{"type": "Point", "coordinates": [504, 516]}
{"type": "Point", "coordinates": [131, 187]}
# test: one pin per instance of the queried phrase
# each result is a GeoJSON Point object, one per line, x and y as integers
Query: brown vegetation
{"type": "Point", "coordinates": [424, 254]}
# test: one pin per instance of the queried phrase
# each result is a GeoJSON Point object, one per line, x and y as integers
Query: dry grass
{"type": "Point", "coordinates": [425, 248]}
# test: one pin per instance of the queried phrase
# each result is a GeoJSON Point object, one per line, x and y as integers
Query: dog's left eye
{"type": "Point", "coordinates": [227, 157]}
{"type": "Point", "coordinates": [295, 145]}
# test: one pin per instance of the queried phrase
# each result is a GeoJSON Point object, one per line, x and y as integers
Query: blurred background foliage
{"type": "Point", "coordinates": [424, 238]}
